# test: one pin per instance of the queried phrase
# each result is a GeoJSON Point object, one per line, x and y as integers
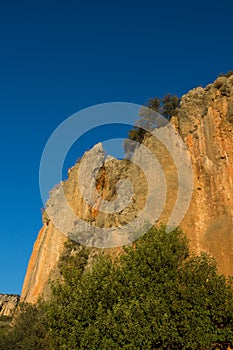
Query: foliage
{"type": "Point", "coordinates": [29, 331]}
{"type": "Point", "coordinates": [154, 296]}
{"type": "Point", "coordinates": [150, 118]}
{"type": "Point", "coordinates": [4, 318]}
{"type": "Point", "coordinates": [170, 106]}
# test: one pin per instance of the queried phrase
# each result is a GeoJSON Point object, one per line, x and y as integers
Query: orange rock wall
{"type": "Point", "coordinates": [205, 123]}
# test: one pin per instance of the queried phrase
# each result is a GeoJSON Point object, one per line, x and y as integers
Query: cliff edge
{"type": "Point", "coordinates": [205, 123]}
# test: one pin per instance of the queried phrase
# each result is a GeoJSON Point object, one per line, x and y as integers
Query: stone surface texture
{"type": "Point", "coordinates": [8, 304]}
{"type": "Point", "coordinates": [205, 124]}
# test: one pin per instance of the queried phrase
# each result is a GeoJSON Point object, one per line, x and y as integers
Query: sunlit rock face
{"type": "Point", "coordinates": [48, 247]}
{"type": "Point", "coordinates": [205, 124]}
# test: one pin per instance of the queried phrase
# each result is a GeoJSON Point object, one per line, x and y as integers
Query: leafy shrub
{"type": "Point", "coordinates": [154, 297]}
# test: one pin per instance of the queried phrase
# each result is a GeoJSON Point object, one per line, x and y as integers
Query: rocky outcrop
{"type": "Point", "coordinates": [48, 247]}
{"type": "Point", "coordinates": [8, 304]}
{"type": "Point", "coordinates": [205, 123]}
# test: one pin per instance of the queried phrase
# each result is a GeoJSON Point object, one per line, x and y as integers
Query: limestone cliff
{"type": "Point", "coordinates": [8, 304]}
{"type": "Point", "coordinates": [49, 245]}
{"type": "Point", "coordinates": [205, 123]}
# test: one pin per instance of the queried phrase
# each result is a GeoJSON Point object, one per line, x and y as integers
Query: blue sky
{"type": "Point", "coordinates": [58, 57]}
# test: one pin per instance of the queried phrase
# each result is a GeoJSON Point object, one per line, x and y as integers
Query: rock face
{"type": "Point", "coordinates": [8, 304]}
{"type": "Point", "coordinates": [48, 247]}
{"type": "Point", "coordinates": [205, 123]}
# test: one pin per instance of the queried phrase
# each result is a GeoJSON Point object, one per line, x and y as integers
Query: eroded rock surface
{"type": "Point", "coordinates": [205, 124]}
{"type": "Point", "coordinates": [8, 304]}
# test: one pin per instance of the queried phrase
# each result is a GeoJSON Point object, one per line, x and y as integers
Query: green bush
{"type": "Point", "coordinates": [29, 330]}
{"type": "Point", "coordinates": [155, 296]}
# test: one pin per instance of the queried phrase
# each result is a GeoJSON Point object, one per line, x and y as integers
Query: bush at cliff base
{"type": "Point", "coordinates": [152, 296]}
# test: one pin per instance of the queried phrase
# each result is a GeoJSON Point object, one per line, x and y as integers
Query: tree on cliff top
{"type": "Point", "coordinates": [149, 118]}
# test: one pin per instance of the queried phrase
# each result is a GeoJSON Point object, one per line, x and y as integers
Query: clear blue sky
{"type": "Point", "coordinates": [58, 57]}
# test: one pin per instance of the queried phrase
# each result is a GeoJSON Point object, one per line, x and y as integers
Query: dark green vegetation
{"type": "Point", "coordinates": [167, 107]}
{"type": "Point", "coordinates": [153, 296]}
{"type": "Point", "coordinates": [5, 322]}
{"type": "Point", "coordinates": [29, 330]}
{"type": "Point", "coordinates": [150, 118]}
